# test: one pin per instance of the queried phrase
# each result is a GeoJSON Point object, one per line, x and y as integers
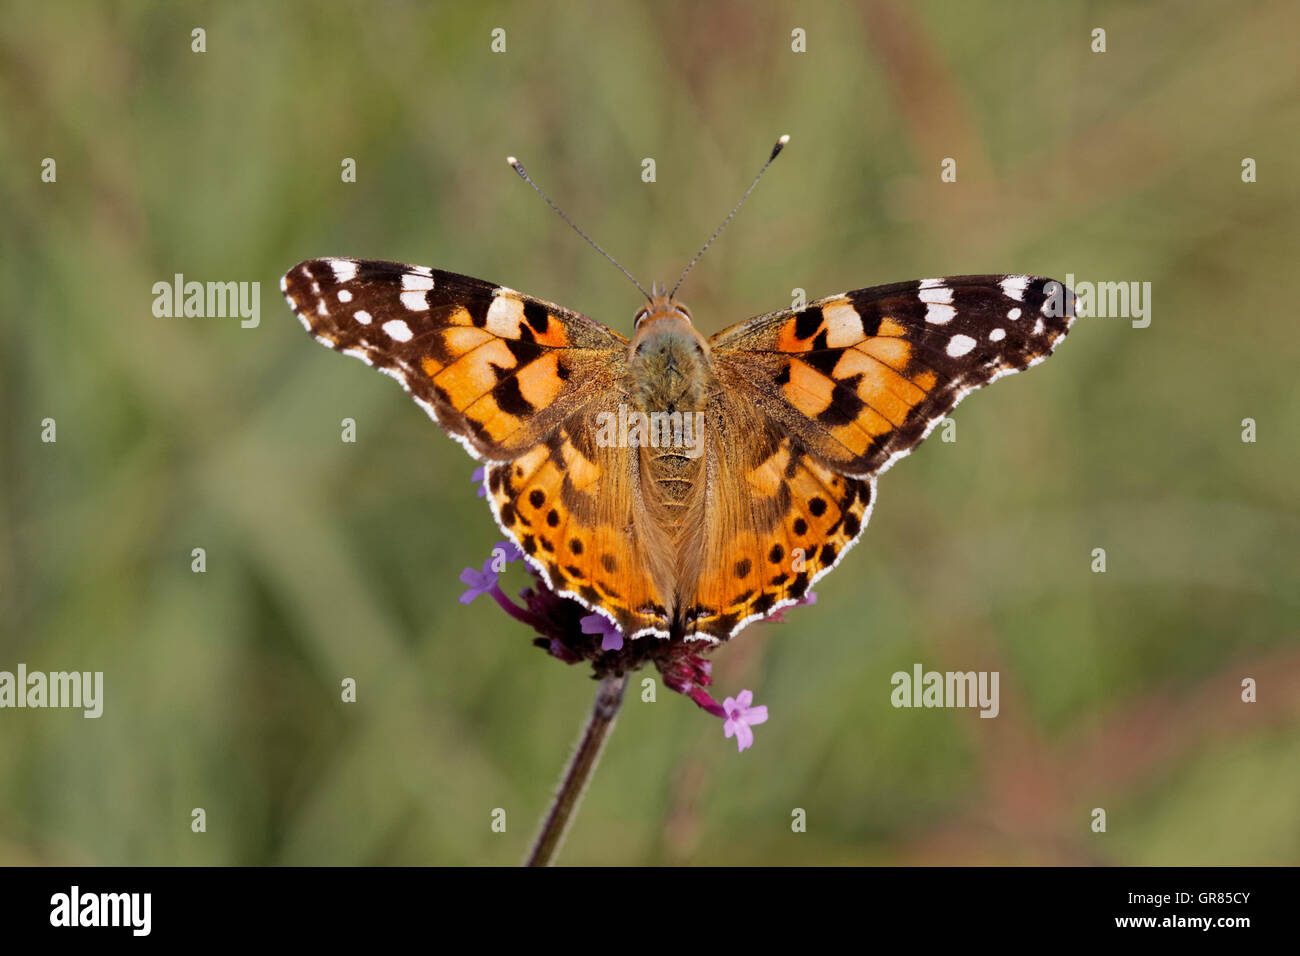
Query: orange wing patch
{"type": "Point", "coordinates": [568, 506]}
{"type": "Point", "coordinates": [803, 516]}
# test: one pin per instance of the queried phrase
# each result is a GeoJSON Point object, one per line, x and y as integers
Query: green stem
{"type": "Point", "coordinates": [609, 698]}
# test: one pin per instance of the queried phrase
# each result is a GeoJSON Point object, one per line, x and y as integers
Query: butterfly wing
{"type": "Point", "coordinates": [775, 518]}
{"type": "Point", "coordinates": [862, 377]}
{"type": "Point", "coordinates": [518, 382]}
{"type": "Point", "coordinates": [830, 396]}
{"type": "Point", "coordinates": [574, 506]}
{"type": "Point", "coordinates": [498, 370]}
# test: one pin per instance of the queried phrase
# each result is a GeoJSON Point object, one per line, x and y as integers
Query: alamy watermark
{"type": "Point", "coordinates": [212, 300]}
{"type": "Point", "coordinates": [128, 910]}
{"type": "Point", "coordinates": [82, 690]}
{"type": "Point", "coordinates": [923, 688]}
{"type": "Point", "coordinates": [1115, 300]}
{"type": "Point", "coordinates": [637, 429]}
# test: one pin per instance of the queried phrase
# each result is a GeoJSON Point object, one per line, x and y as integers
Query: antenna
{"type": "Point", "coordinates": [776, 151]}
{"type": "Point", "coordinates": [523, 174]}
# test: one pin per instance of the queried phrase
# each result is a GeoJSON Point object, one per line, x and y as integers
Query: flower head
{"type": "Point", "coordinates": [741, 716]}
{"type": "Point", "coordinates": [571, 632]}
{"type": "Point", "coordinates": [478, 582]}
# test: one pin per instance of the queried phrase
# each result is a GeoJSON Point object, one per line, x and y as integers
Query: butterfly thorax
{"type": "Point", "coordinates": [668, 368]}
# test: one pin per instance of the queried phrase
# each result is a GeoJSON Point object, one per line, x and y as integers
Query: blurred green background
{"type": "Point", "coordinates": [328, 560]}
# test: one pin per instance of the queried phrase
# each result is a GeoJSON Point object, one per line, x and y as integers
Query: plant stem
{"type": "Point", "coordinates": [609, 698]}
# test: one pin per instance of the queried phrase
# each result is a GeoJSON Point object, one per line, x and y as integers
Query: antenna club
{"type": "Point", "coordinates": [780, 145]}
{"type": "Point", "coordinates": [512, 161]}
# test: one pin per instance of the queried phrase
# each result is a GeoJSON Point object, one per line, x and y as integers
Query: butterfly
{"type": "Point", "coordinates": [681, 486]}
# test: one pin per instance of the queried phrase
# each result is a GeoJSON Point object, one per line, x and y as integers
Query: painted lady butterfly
{"type": "Point", "coordinates": [802, 410]}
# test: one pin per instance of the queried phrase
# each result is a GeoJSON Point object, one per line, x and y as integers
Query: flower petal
{"type": "Point", "coordinates": [744, 738]}
{"type": "Point", "coordinates": [756, 715]}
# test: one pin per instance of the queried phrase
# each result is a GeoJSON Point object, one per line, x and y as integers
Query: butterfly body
{"type": "Point", "coordinates": [681, 486]}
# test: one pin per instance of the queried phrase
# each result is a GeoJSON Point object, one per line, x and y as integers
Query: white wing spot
{"type": "Point", "coordinates": [935, 293]}
{"type": "Point", "coordinates": [397, 330]}
{"type": "Point", "coordinates": [937, 298]}
{"type": "Point", "coordinates": [1014, 287]}
{"type": "Point", "coordinates": [1038, 327]}
{"type": "Point", "coordinates": [997, 335]}
{"type": "Point", "coordinates": [362, 316]}
{"type": "Point", "coordinates": [284, 283]}
{"type": "Point", "coordinates": [415, 301]}
{"type": "Point", "coordinates": [938, 301]}
{"type": "Point", "coordinates": [505, 314]}
{"type": "Point", "coordinates": [315, 288]}
{"type": "Point", "coordinates": [321, 310]}
{"type": "Point", "coordinates": [413, 282]}
{"type": "Point", "coordinates": [345, 295]}
{"type": "Point", "coordinates": [959, 345]}
{"type": "Point", "coordinates": [939, 314]}
{"type": "Point", "coordinates": [345, 270]}
{"type": "Point", "coordinates": [1014, 314]}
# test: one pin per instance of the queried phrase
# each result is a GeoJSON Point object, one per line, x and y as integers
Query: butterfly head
{"type": "Point", "coordinates": [669, 358]}
{"type": "Point", "coordinates": [662, 306]}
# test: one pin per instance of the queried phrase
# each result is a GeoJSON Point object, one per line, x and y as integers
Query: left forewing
{"type": "Point", "coordinates": [498, 370]}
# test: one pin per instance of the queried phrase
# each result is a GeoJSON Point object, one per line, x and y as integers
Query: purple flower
{"type": "Point", "coordinates": [478, 582]}
{"type": "Point", "coordinates": [509, 550]}
{"type": "Point", "coordinates": [741, 717]}
{"type": "Point", "coordinates": [600, 624]}
{"type": "Point", "coordinates": [479, 473]}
